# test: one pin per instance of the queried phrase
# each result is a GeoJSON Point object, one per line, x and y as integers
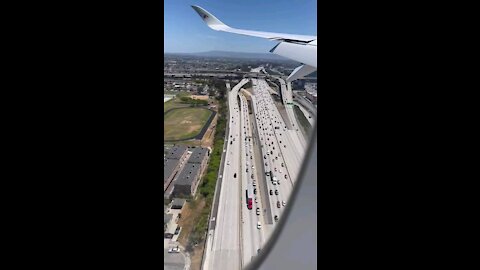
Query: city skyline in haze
{"type": "Point", "coordinates": [184, 31]}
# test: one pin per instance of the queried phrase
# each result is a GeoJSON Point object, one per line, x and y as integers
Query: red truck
{"type": "Point", "coordinates": [249, 195]}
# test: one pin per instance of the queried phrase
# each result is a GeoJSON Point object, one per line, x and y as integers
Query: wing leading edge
{"type": "Point", "coordinates": [299, 48]}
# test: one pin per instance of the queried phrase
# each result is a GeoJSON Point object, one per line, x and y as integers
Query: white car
{"type": "Point", "coordinates": [174, 250]}
{"type": "Point", "coordinates": [228, 162]}
{"type": "Point", "coordinates": [259, 226]}
{"type": "Point", "coordinates": [283, 203]}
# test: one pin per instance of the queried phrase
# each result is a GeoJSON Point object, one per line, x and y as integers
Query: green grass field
{"type": "Point", "coordinates": [183, 123]}
{"type": "Point", "coordinates": [176, 102]}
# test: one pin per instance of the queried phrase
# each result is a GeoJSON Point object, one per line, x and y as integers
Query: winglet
{"type": "Point", "coordinates": [209, 19]}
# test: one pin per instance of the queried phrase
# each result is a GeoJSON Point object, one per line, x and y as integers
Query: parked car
{"type": "Point", "coordinates": [258, 211]}
{"type": "Point", "coordinates": [271, 192]}
{"type": "Point", "coordinates": [276, 191]}
{"type": "Point", "coordinates": [278, 204]}
{"type": "Point", "coordinates": [275, 218]}
{"type": "Point", "coordinates": [235, 175]}
{"type": "Point", "coordinates": [174, 250]}
{"type": "Point", "coordinates": [284, 203]}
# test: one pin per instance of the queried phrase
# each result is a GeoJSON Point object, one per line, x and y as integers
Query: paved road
{"type": "Point", "coordinates": [253, 139]}
{"type": "Point", "coordinates": [223, 243]}
{"type": "Point", "coordinates": [306, 103]}
{"type": "Point", "coordinates": [252, 237]}
{"type": "Point", "coordinates": [305, 112]}
{"type": "Point", "coordinates": [286, 89]}
{"type": "Point", "coordinates": [282, 155]}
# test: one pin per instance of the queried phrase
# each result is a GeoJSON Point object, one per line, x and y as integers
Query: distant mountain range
{"type": "Point", "coordinates": [238, 55]}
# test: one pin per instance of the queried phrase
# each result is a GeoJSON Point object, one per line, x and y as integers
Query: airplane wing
{"type": "Point", "coordinates": [299, 48]}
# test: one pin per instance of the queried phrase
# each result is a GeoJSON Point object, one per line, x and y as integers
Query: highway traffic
{"type": "Point", "coordinates": [262, 162]}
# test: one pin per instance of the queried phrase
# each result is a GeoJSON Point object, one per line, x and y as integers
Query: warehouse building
{"type": "Point", "coordinates": [183, 167]}
{"type": "Point", "coordinates": [177, 152]}
{"type": "Point", "coordinates": [199, 155]}
{"type": "Point", "coordinates": [172, 163]}
{"type": "Point", "coordinates": [187, 181]}
{"type": "Point", "coordinates": [170, 170]}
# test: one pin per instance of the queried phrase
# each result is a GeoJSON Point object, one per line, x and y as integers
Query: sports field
{"type": "Point", "coordinates": [184, 123]}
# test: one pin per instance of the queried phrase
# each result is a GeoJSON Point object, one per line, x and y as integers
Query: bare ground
{"type": "Point", "coordinates": [196, 257]}
{"type": "Point", "coordinates": [190, 213]}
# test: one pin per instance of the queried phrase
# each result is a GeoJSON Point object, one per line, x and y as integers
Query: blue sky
{"type": "Point", "coordinates": [184, 31]}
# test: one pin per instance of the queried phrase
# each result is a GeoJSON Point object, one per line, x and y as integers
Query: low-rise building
{"type": "Point", "coordinates": [187, 181]}
{"type": "Point", "coordinates": [183, 167]}
{"type": "Point", "coordinates": [177, 152]}
{"type": "Point", "coordinates": [173, 161]}
{"type": "Point", "coordinates": [178, 203]}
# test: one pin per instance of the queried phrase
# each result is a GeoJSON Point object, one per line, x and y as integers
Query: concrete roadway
{"type": "Point", "coordinates": [235, 240]}
{"type": "Point", "coordinates": [306, 103]}
{"type": "Point", "coordinates": [223, 243]}
{"type": "Point", "coordinates": [252, 237]}
{"type": "Point", "coordinates": [288, 98]}
{"type": "Point", "coordinates": [311, 120]}
{"type": "Point", "coordinates": [273, 153]}
{"type": "Point", "coordinates": [290, 148]}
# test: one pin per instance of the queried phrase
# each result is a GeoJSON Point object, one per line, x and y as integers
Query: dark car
{"type": "Point", "coordinates": [276, 191]}
{"type": "Point", "coordinates": [278, 204]}
{"type": "Point", "coordinates": [235, 175]}
{"type": "Point", "coordinates": [271, 192]}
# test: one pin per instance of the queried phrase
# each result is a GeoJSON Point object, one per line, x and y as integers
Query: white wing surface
{"type": "Point", "coordinates": [300, 48]}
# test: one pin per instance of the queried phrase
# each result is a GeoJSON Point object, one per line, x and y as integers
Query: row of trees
{"type": "Point", "coordinates": [209, 181]}
{"type": "Point", "coordinates": [192, 101]}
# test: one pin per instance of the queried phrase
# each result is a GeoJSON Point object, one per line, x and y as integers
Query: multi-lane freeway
{"type": "Point", "coordinates": [262, 162]}
{"type": "Point", "coordinates": [223, 243]}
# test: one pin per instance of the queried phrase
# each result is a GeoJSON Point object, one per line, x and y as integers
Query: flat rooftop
{"type": "Point", "coordinates": [176, 152]}
{"type": "Point", "coordinates": [169, 166]}
{"type": "Point", "coordinates": [188, 174]}
{"type": "Point", "coordinates": [198, 154]}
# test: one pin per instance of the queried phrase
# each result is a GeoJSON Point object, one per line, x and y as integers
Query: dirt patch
{"type": "Point", "coordinates": [190, 214]}
{"type": "Point", "coordinates": [207, 140]}
{"type": "Point", "coordinates": [196, 257]}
